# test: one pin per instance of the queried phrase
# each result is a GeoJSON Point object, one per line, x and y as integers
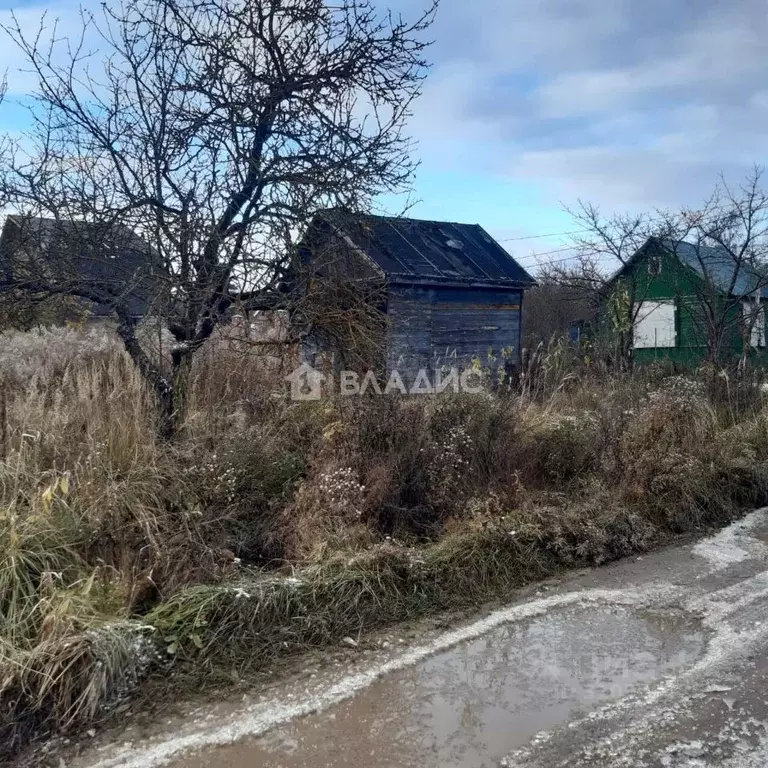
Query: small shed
{"type": "Point", "coordinates": [451, 294]}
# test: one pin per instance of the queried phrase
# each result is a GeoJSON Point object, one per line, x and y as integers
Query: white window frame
{"type": "Point", "coordinates": [655, 325]}
{"type": "Point", "coordinates": [750, 307]}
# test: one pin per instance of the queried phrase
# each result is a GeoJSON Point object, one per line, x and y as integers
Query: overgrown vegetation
{"type": "Point", "coordinates": [268, 526]}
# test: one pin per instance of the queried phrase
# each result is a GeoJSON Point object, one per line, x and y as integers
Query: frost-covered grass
{"type": "Point", "coordinates": [269, 526]}
{"type": "Point", "coordinates": [259, 616]}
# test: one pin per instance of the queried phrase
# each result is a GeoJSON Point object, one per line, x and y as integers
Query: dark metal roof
{"type": "Point", "coordinates": [413, 250]}
{"type": "Point", "coordinates": [709, 262]}
{"type": "Point", "coordinates": [717, 265]}
{"type": "Point", "coordinates": [111, 260]}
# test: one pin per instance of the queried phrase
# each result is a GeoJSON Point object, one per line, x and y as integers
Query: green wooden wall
{"type": "Point", "coordinates": [680, 283]}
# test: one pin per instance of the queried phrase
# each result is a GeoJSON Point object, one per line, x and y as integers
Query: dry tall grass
{"type": "Point", "coordinates": [269, 525]}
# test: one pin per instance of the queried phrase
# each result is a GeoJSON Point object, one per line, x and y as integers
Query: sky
{"type": "Point", "coordinates": [532, 105]}
{"type": "Point", "coordinates": [535, 104]}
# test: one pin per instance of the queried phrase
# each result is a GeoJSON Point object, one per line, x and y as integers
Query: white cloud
{"type": "Point", "coordinates": [627, 103]}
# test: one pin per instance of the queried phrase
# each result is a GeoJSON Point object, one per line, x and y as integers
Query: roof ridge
{"type": "Point", "coordinates": [384, 217]}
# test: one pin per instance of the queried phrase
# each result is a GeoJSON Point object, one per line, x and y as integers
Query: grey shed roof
{"type": "Point", "coordinates": [716, 264]}
{"type": "Point", "coordinates": [111, 260]}
{"type": "Point", "coordinates": [413, 250]}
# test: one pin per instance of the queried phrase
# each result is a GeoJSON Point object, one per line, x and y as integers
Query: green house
{"type": "Point", "coordinates": [687, 303]}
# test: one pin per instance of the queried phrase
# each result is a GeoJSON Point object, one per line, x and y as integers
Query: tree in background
{"type": "Point", "coordinates": [729, 247]}
{"type": "Point", "coordinates": [213, 130]}
{"type": "Point", "coordinates": [556, 303]}
{"type": "Point", "coordinates": [602, 247]}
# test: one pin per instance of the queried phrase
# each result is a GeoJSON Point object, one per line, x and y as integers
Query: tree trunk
{"type": "Point", "coordinates": [624, 351]}
{"type": "Point", "coordinates": [715, 345]}
{"type": "Point", "coordinates": [176, 403]}
{"type": "Point", "coordinates": [165, 390]}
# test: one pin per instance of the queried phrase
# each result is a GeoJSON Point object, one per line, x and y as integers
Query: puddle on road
{"type": "Point", "coordinates": [472, 704]}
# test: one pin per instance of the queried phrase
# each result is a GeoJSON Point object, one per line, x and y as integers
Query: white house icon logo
{"type": "Point", "coordinates": [306, 383]}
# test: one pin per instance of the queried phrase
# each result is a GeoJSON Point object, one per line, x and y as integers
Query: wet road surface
{"type": "Point", "coordinates": [471, 704]}
{"type": "Point", "coordinates": [656, 661]}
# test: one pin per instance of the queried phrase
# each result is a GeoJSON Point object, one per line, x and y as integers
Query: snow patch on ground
{"type": "Point", "coordinates": [734, 544]}
{"type": "Point", "coordinates": [674, 698]}
{"type": "Point", "coordinates": [755, 758]}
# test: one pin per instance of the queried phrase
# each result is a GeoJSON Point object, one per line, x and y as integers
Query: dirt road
{"type": "Point", "coordinates": [655, 661]}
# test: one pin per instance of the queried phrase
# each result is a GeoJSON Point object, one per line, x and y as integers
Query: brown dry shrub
{"type": "Point", "coordinates": [674, 458]}
{"type": "Point", "coordinates": [594, 530]}
{"type": "Point", "coordinates": [556, 449]}
{"type": "Point", "coordinates": [237, 383]}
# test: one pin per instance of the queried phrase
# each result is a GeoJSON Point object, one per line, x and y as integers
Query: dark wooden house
{"type": "Point", "coordinates": [106, 267]}
{"type": "Point", "coordinates": [451, 294]}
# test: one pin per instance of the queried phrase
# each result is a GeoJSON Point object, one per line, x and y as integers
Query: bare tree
{"type": "Point", "coordinates": [213, 129]}
{"type": "Point", "coordinates": [603, 250]}
{"type": "Point", "coordinates": [561, 297]}
{"type": "Point", "coordinates": [726, 242]}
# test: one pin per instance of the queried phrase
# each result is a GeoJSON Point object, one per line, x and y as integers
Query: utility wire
{"type": "Point", "coordinates": [583, 231]}
{"type": "Point", "coordinates": [538, 237]}
{"type": "Point", "coordinates": [537, 256]}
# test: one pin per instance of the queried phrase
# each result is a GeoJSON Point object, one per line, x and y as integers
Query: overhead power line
{"type": "Point", "coordinates": [536, 257]}
{"type": "Point", "coordinates": [538, 237]}
{"type": "Point", "coordinates": [583, 231]}
{"type": "Point", "coordinates": [545, 253]}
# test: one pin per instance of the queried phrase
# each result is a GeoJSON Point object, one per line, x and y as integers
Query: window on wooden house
{"type": "Point", "coordinates": [655, 325]}
{"type": "Point", "coordinates": [654, 265]}
{"type": "Point", "coordinates": [754, 320]}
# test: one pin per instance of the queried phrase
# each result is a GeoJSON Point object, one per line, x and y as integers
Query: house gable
{"type": "Point", "coordinates": [657, 274]}
{"type": "Point", "coordinates": [453, 295]}
{"type": "Point", "coordinates": [111, 263]}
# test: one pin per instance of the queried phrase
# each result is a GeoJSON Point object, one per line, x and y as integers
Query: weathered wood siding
{"type": "Point", "coordinates": [433, 328]}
